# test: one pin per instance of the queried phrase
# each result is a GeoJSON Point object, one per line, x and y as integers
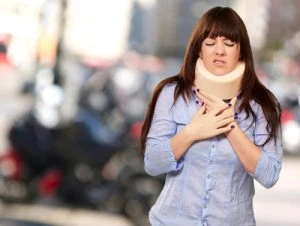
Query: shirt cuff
{"type": "Point", "coordinates": [260, 165]}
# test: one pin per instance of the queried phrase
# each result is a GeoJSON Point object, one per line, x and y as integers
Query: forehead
{"type": "Point", "coordinates": [220, 28]}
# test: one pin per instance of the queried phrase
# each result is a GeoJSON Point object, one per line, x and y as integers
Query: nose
{"type": "Point", "coordinates": [220, 49]}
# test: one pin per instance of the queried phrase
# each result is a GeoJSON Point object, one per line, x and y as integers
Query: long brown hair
{"type": "Point", "coordinates": [220, 21]}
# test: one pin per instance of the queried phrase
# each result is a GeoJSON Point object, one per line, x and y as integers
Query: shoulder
{"type": "Point", "coordinates": [166, 88]}
{"type": "Point", "coordinates": [169, 89]}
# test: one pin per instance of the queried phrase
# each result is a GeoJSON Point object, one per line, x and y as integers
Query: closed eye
{"type": "Point", "coordinates": [229, 44]}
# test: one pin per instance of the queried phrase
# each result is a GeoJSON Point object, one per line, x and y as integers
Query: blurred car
{"type": "Point", "coordinates": [291, 130]}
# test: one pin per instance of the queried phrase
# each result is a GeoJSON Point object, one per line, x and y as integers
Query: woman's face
{"type": "Point", "coordinates": [220, 55]}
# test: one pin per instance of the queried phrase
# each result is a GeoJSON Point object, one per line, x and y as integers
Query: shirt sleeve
{"type": "Point", "coordinates": [159, 158]}
{"type": "Point", "coordinates": [269, 165]}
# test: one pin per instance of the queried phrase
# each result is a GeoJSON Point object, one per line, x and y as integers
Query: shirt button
{"type": "Point", "coordinates": [205, 206]}
{"type": "Point", "coordinates": [210, 162]}
{"type": "Point", "coordinates": [208, 176]}
{"type": "Point", "coordinates": [213, 146]}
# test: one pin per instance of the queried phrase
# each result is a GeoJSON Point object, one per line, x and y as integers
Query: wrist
{"type": "Point", "coordinates": [188, 134]}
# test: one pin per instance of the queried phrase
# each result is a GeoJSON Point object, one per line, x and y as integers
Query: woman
{"type": "Point", "coordinates": [211, 148]}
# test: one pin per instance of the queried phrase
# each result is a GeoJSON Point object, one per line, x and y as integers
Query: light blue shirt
{"type": "Point", "coordinates": [208, 186]}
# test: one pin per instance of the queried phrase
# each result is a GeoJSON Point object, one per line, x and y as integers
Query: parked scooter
{"type": "Point", "coordinates": [92, 160]}
{"type": "Point", "coordinates": [31, 153]}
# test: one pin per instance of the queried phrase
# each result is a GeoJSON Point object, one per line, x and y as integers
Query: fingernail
{"type": "Point", "coordinates": [229, 105]}
{"type": "Point", "coordinates": [232, 126]}
{"type": "Point", "coordinates": [197, 102]}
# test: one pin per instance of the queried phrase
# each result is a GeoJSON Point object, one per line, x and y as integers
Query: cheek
{"type": "Point", "coordinates": [207, 53]}
{"type": "Point", "coordinates": [238, 53]}
{"type": "Point", "coordinates": [235, 56]}
{"type": "Point", "coordinates": [206, 50]}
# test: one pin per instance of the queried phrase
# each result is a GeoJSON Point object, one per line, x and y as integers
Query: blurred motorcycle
{"type": "Point", "coordinates": [91, 160]}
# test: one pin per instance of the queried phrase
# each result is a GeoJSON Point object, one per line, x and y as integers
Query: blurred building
{"type": "Point", "coordinates": [143, 26]}
{"type": "Point", "coordinates": [176, 20]}
{"type": "Point", "coordinates": [255, 15]}
{"type": "Point", "coordinates": [284, 19]}
{"type": "Point", "coordinates": [97, 29]}
{"type": "Point", "coordinates": [20, 19]}
{"type": "Point", "coordinates": [164, 27]}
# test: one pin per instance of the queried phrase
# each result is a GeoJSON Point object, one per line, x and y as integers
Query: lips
{"type": "Point", "coordinates": [219, 62]}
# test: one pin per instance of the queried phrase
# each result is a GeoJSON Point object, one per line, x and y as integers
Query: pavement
{"type": "Point", "coordinates": [41, 215]}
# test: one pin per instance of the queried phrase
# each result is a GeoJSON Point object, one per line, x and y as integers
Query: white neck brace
{"type": "Point", "coordinates": [225, 86]}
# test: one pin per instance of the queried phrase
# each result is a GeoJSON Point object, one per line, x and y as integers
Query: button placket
{"type": "Point", "coordinates": [209, 182]}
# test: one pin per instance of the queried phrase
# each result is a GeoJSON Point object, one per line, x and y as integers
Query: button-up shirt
{"type": "Point", "coordinates": [208, 185]}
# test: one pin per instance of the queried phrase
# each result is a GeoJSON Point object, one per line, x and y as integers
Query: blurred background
{"type": "Point", "coordinates": [75, 80]}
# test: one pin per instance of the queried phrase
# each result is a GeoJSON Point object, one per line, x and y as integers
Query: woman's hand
{"type": "Point", "coordinates": [211, 101]}
{"type": "Point", "coordinates": [210, 120]}
{"type": "Point", "coordinates": [214, 117]}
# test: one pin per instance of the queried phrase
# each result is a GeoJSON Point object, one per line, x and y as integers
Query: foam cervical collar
{"type": "Point", "coordinates": [224, 87]}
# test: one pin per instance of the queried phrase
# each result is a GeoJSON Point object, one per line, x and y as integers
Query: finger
{"type": "Point", "coordinates": [202, 109]}
{"type": "Point", "coordinates": [209, 105]}
{"type": "Point", "coordinates": [233, 101]}
{"type": "Point", "coordinates": [227, 113]}
{"type": "Point", "coordinates": [217, 110]}
{"type": "Point", "coordinates": [210, 96]}
{"type": "Point", "coordinates": [225, 129]}
{"type": "Point", "coordinates": [225, 122]}
{"type": "Point", "coordinates": [204, 99]}
{"type": "Point", "coordinates": [211, 100]}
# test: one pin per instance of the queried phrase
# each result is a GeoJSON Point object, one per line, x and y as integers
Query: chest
{"type": "Point", "coordinates": [216, 148]}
